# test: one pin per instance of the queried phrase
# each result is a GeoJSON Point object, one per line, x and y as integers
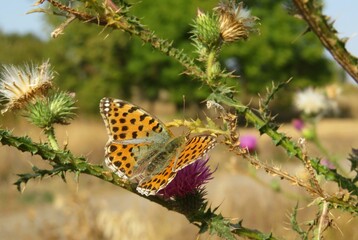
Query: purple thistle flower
{"type": "Point", "coordinates": [298, 124]}
{"type": "Point", "coordinates": [189, 179]}
{"type": "Point", "coordinates": [249, 142]}
{"type": "Point", "coordinates": [325, 162]}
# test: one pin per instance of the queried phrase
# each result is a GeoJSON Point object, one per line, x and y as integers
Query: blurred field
{"type": "Point", "coordinates": [92, 209]}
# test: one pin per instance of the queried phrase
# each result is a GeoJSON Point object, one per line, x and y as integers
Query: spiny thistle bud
{"type": "Point", "coordinates": [206, 30]}
{"type": "Point", "coordinates": [57, 108]}
{"type": "Point", "coordinates": [190, 203]}
{"type": "Point", "coordinates": [235, 21]}
{"type": "Point", "coordinates": [19, 86]}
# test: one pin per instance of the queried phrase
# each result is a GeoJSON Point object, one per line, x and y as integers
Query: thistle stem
{"type": "Point", "coordinates": [50, 132]}
{"type": "Point", "coordinates": [324, 220]}
{"type": "Point", "coordinates": [209, 65]}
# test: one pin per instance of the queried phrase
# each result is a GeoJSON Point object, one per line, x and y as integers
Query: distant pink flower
{"type": "Point", "coordinates": [189, 179]}
{"type": "Point", "coordinates": [249, 142]}
{"type": "Point", "coordinates": [298, 124]}
{"type": "Point", "coordinates": [325, 162]}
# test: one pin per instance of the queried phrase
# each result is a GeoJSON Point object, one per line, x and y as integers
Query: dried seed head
{"type": "Point", "coordinates": [19, 86]}
{"type": "Point", "coordinates": [235, 21]}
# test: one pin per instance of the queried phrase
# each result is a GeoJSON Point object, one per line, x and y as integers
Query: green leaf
{"type": "Point", "coordinates": [221, 227]}
{"type": "Point", "coordinates": [353, 158]}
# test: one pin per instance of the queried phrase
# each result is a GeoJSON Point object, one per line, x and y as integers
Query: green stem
{"type": "Point", "coordinates": [209, 65]}
{"type": "Point", "coordinates": [50, 132]}
{"type": "Point", "coordinates": [262, 126]}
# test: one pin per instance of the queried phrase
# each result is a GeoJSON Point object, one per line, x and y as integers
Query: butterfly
{"type": "Point", "coordinates": [142, 149]}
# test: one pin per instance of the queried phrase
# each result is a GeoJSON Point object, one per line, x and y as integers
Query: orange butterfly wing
{"type": "Point", "coordinates": [194, 149]}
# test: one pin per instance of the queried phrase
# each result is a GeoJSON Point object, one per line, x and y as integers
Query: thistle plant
{"type": "Point", "coordinates": [57, 108]}
{"type": "Point", "coordinates": [29, 91]}
{"type": "Point", "coordinates": [229, 22]}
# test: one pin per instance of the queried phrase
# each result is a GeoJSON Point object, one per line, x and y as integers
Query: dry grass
{"type": "Point", "coordinates": [92, 209]}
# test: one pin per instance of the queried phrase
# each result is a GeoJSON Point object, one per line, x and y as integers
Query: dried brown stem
{"type": "Point", "coordinates": [275, 171]}
{"type": "Point", "coordinates": [324, 220]}
{"type": "Point", "coordinates": [309, 168]}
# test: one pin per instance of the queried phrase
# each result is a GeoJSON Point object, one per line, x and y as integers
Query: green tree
{"type": "Point", "coordinates": [91, 63]}
{"type": "Point", "coordinates": [18, 49]}
{"type": "Point", "coordinates": [280, 52]}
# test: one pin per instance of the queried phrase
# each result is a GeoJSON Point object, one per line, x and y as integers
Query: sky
{"type": "Point", "coordinates": [13, 19]}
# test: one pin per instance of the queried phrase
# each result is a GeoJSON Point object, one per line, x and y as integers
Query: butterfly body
{"type": "Point", "coordinates": [161, 159]}
{"type": "Point", "coordinates": [140, 148]}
